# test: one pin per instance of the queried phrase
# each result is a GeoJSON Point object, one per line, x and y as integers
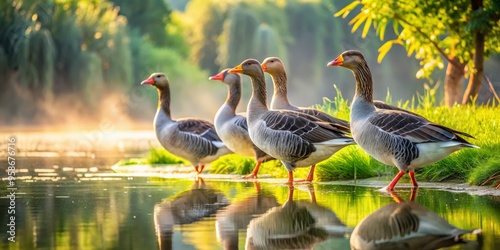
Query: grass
{"type": "Point", "coordinates": [475, 166]}
{"type": "Point", "coordinates": [156, 156]}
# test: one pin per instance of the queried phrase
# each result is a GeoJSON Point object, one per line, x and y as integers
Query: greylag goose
{"type": "Point", "coordinates": [192, 139]}
{"type": "Point", "coordinates": [236, 217]}
{"type": "Point", "coordinates": [231, 127]}
{"type": "Point", "coordinates": [187, 207]}
{"type": "Point", "coordinates": [296, 139]}
{"type": "Point", "coordinates": [274, 66]}
{"type": "Point", "coordinates": [405, 225]}
{"type": "Point", "coordinates": [393, 137]}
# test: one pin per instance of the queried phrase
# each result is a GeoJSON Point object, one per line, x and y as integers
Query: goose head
{"type": "Point", "coordinates": [225, 77]}
{"type": "Point", "coordinates": [159, 80]}
{"type": "Point", "coordinates": [272, 65]}
{"type": "Point", "coordinates": [249, 67]}
{"type": "Point", "coordinates": [351, 59]}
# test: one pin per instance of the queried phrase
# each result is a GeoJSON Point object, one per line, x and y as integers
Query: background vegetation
{"type": "Point", "coordinates": [76, 62]}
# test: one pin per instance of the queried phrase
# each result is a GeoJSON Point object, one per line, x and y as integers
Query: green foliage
{"type": "Point", "coordinates": [204, 22]}
{"type": "Point", "coordinates": [50, 50]}
{"type": "Point", "coordinates": [238, 28]}
{"type": "Point", "coordinates": [436, 29]}
{"type": "Point", "coordinates": [268, 43]}
{"type": "Point", "coordinates": [149, 17]}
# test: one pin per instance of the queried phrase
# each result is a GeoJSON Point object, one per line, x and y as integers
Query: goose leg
{"type": "Point", "coordinates": [201, 169]}
{"type": "Point", "coordinates": [391, 185]}
{"type": "Point", "coordinates": [254, 172]}
{"type": "Point", "coordinates": [196, 169]}
{"type": "Point", "coordinates": [413, 193]}
{"type": "Point", "coordinates": [290, 193]}
{"type": "Point", "coordinates": [312, 194]}
{"type": "Point", "coordinates": [412, 177]}
{"type": "Point", "coordinates": [310, 176]}
{"type": "Point", "coordinates": [290, 178]}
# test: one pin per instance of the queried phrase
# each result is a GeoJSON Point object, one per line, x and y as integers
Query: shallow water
{"type": "Point", "coordinates": [114, 212]}
{"type": "Point", "coordinates": [71, 201]}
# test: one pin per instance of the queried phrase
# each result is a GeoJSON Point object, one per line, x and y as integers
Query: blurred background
{"type": "Point", "coordinates": [78, 64]}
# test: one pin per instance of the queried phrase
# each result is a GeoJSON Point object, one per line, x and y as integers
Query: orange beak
{"type": "Point", "coordinates": [219, 77]}
{"type": "Point", "coordinates": [237, 69]}
{"type": "Point", "coordinates": [149, 81]}
{"type": "Point", "coordinates": [264, 66]}
{"type": "Point", "coordinates": [339, 61]}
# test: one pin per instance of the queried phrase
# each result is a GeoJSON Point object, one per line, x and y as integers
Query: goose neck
{"type": "Point", "coordinates": [164, 101]}
{"type": "Point", "coordinates": [233, 96]}
{"type": "Point", "coordinates": [364, 82]}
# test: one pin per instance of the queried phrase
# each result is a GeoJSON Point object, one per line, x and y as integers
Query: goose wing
{"type": "Point", "coordinates": [199, 136]}
{"type": "Point", "coordinates": [344, 125]}
{"type": "Point", "coordinates": [241, 122]}
{"type": "Point", "coordinates": [412, 127]}
{"type": "Point", "coordinates": [302, 125]}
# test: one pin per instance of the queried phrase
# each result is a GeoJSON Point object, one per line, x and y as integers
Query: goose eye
{"type": "Point", "coordinates": [272, 60]}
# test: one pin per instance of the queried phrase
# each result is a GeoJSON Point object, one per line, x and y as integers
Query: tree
{"type": "Point", "coordinates": [150, 17]}
{"type": "Point", "coordinates": [457, 31]}
{"type": "Point", "coordinates": [203, 26]}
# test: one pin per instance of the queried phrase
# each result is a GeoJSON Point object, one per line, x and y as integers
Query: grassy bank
{"type": "Point", "coordinates": [475, 166]}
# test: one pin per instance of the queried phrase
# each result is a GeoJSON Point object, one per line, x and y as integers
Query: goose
{"type": "Point", "coordinates": [236, 217]}
{"type": "Point", "coordinates": [187, 207]}
{"type": "Point", "coordinates": [192, 139]}
{"type": "Point", "coordinates": [294, 225]}
{"type": "Point", "coordinates": [296, 139]}
{"type": "Point", "coordinates": [405, 225]}
{"type": "Point", "coordinates": [394, 137]}
{"type": "Point", "coordinates": [275, 67]}
{"type": "Point", "coordinates": [231, 127]}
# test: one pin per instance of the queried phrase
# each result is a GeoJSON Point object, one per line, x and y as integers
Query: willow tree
{"type": "Point", "coordinates": [27, 55]}
{"type": "Point", "coordinates": [149, 17]}
{"type": "Point", "coordinates": [203, 22]}
{"type": "Point", "coordinates": [267, 43]}
{"type": "Point", "coordinates": [307, 50]}
{"type": "Point", "coordinates": [461, 32]}
{"type": "Point", "coordinates": [236, 40]}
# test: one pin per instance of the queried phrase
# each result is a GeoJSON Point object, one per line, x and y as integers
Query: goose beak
{"type": "Point", "coordinates": [149, 81]}
{"type": "Point", "coordinates": [339, 61]}
{"type": "Point", "coordinates": [219, 77]}
{"type": "Point", "coordinates": [264, 66]}
{"type": "Point", "coordinates": [237, 69]}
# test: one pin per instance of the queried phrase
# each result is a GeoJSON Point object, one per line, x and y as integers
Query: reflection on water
{"type": "Point", "coordinates": [186, 207]}
{"type": "Point", "coordinates": [119, 212]}
{"type": "Point", "coordinates": [407, 225]}
{"type": "Point", "coordinates": [293, 226]}
{"type": "Point", "coordinates": [235, 218]}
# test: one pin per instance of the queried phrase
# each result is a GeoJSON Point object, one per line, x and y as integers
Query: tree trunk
{"type": "Point", "coordinates": [453, 83]}
{"type": "Point", "coordinates": [477, 73]}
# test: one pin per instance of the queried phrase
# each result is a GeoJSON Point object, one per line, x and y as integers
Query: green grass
{"type": "Point", "coordinates": [156, 156]}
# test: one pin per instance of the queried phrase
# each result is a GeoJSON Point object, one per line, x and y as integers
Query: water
{"type": "Point", "coordinates": [75, 201]}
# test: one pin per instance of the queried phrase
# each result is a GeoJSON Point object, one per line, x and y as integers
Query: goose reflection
{"type": "Point", "coordinates": [405, 225]}
{"type": "Point", "coordinates": [295, 225]}
{"type": "Point", "coordinates": [186, 207]}
{"type": "Point", "coordinates": [235, 217]}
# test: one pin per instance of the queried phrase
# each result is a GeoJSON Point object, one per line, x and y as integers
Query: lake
{"type": "Point", "coordinates": [71, 199]}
